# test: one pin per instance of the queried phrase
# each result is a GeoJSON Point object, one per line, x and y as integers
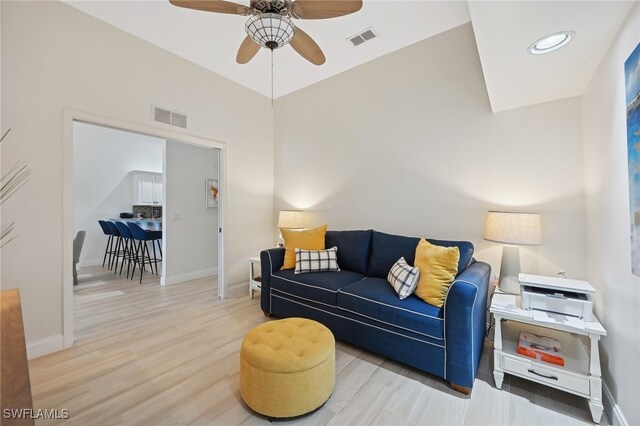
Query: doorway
{"type": "Point", "coordinates": [117, 178]}
{"type": "Point", "coordinates": [171, 185]}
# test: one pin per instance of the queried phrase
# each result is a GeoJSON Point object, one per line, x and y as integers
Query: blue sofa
{"type": "Point", "coordinates": [360, 306]}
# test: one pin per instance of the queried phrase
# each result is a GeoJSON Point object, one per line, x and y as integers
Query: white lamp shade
{"type": "Point", "coordinates": [291, 219]}
{"type": "Point", "coordinates": [513, 228]}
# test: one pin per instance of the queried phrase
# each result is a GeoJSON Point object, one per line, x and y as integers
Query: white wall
{"type": "Point", "coordinates": [190, 228]}
{"type": "Point", "coordinates": [607, 203]}
{"type": "Point", "coordinates": [408, 144]}
{"type": "Point", "coordinates": [53, 57]}
{"type": "Point", "coordinates": [103, 160]}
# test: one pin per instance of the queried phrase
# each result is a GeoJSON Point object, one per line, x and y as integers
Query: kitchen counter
{"type": "Point", "coordinates": [146, 224]}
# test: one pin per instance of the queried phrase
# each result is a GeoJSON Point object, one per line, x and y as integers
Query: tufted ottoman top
{"type": "Point", "coordinates": [288, 345]}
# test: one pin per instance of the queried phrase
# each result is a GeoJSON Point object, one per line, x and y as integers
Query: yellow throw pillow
{"type": "Point", "coordinates": [438, 266]}
{"type": "Point", "coordinates": [304, 239]}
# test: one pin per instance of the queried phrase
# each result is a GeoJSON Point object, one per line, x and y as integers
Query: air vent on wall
{"type": "Point", "coordinates": [172, 118]}
{"type": "Point", "coordinates": [363, 36]}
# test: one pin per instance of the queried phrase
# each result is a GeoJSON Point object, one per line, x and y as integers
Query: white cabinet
{"type": "Point", "coordinates": [147, 188]}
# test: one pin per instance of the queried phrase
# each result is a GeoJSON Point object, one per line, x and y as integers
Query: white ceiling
{"type": "Point", "coordinates": [212, 39]}
{"type": "Point", "coordinates": [503, 29]}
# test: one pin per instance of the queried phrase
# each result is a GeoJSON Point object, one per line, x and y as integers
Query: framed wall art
{"type": "Point", "coordinates": [211, 193]}
{"type": "Point", "coordinates": [632, 98]}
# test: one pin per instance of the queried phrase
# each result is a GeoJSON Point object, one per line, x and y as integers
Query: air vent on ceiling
{"type": "Point", "coordinates": [172, 118]}
{"type": "Point", "coordinates": [363, 36]}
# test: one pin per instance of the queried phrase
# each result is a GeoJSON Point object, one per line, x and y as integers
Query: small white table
{"type": "Point", "coordinates": [581, 373]}
{"type": "Point", "coordinates": [255, 282]}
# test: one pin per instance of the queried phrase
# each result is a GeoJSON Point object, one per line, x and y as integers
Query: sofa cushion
{"type": "Point", "coordinates": [374, 298]}
{"type": "Point", "coordinates": [321, 287]}
{"type": "Point", "coordinates": [386, 249]}
{"type": "Point", "coordinates": [316, 260]}
{"type": "Point", "coordinates": [466, 251]}
{"type": "Point", "coordinates": [437, 267]}
{"type": "Point", "coordinates": [354, 248]}
{"type": "Point", "coordinates": [306, 239]}
{"type": "Point", "coordinates": [403, 278]}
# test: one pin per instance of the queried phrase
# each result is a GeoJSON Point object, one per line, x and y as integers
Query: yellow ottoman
{"type": "Point", "coordinates": [287, 367]}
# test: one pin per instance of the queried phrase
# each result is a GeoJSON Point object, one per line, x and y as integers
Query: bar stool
{"type": "Point", "coordinates": [118, 252]}
{"type": "Point", "coordinates": [143, 255]}
{"type": "Point", "coordinates": [157, 238]}
{"type": "Point", "coordinates": [128, 246]}
{"type": "Point", "coordinates": [108, 248]}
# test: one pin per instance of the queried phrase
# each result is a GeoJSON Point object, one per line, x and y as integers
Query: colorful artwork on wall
{"type": "Point", "coordinates": [211, 193]}
{"type": "Point", "coordinates": [632, 97]}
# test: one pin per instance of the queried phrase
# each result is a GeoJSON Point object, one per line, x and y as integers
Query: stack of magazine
{"type": "Point", "coordinates": [540, 347]}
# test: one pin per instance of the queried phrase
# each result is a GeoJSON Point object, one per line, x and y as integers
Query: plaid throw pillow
{"type": "Point", "coordinates": [403, 278]}
{"type": "Point", "coordinates": [316, 260]}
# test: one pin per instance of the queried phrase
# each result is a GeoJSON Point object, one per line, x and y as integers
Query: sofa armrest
{"type": "Point", "coordinates": [271, 260]}
{"type": "Point", "coordinates": [465, 312]}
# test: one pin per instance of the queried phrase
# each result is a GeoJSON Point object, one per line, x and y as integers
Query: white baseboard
{"type": "Point", "coordinates": [610, 406]}
{"type": "Point", "coordinates": [180, 278]}
{"type": "Point", "coordinates": [45, 346]}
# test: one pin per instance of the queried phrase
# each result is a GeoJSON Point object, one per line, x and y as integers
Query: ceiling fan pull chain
{"type": "Point", "coordinates": [271, 77]}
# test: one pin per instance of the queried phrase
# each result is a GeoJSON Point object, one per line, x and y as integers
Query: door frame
{"type": "Point", "coordinates": [69, 117]}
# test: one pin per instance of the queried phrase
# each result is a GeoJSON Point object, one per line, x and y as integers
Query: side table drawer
{"type": "Point", "coordinates": [550, 376]}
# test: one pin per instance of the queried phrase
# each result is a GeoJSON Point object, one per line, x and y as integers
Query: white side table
{"type": "Point", "coordinates": [581, 373]}
{"type": "Point", "coordinates": [255, 282]}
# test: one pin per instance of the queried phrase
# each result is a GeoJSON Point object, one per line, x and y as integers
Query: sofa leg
{"type": "Point", "coordinates": [266, 314]}
{"type": "Point", "coordinates": [462, 389]}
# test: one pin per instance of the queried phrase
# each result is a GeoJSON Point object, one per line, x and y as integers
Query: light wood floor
{"type": "Point", "coordinates": [146, 354]}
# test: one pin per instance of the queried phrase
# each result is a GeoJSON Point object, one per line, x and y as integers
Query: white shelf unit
{"type": "Point", "coordinates": [255, 282]}
{"type": "Point", "coordinates": [581, 373]}
{"type": "Point", "coordinates": [572, 377]}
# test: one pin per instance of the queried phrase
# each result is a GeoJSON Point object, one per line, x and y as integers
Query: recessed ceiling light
{"type": "Point", "coordinates": [551, 42]}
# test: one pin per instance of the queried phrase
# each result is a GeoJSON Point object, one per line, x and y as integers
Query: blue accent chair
{"type": "Point", "coordinates": [78, 242]}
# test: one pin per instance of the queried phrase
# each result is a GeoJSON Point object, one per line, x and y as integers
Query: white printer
{"type": "Point", "coordinates": [559, 295]}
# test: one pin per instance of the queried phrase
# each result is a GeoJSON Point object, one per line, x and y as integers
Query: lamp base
{"type": "Point", "coordinates": [509, 270]}
{"type": "Point", "coordinates": [509, 284]}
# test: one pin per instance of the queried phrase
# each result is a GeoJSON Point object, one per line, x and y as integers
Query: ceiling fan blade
{"type": "Point", "coordinates": [322, 9]}
{"type": "Point", "coordinates": [307, 48]}
{"type": "Point", "coordinates": [247, 51]}
{"type": "Point", "coordinates": [218, 6]}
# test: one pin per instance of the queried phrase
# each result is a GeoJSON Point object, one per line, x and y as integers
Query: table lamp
{"type": "Point", "coordinates": [289, 219]}
{"type": "Point", "coordinates": [513, 229]}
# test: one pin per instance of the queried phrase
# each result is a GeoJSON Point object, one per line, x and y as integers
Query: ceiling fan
{"type": "Point", "coordinates": [270, 23]}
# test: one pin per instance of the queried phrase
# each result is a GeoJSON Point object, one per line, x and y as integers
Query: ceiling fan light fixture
{"type": "Point", "coordinates": [270, 30]}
